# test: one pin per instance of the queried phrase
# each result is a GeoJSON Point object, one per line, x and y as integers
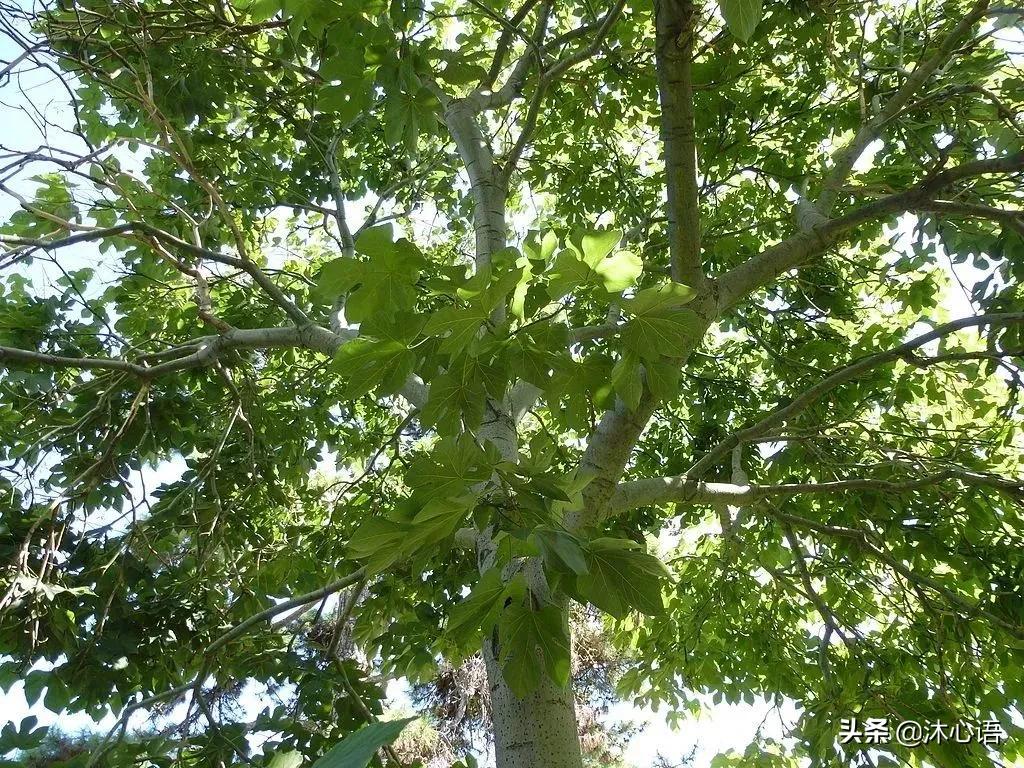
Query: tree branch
{"type": "Point", "coordinates": [869, 131]}
{"type": "Point", "coordinates": [570, 61]}
{"type": "Point", "coordinates": [247, 265]}
{"type": "Point", "coordinates": [689, 491]}
{"type": "Point", "coordinates": [863, 540]}
{"type": "Point", "coordinates": [206, 350]}
{"type": "Point", "coordinates": [811, 395]}
{"type": "Point", "coordinates": [1014, 219]}
{"type": "Point", "coordinates": [675, 22]}
{"type": "Point", "coordinates": [759, 270]}
{"type": "Point", "coordinates": [235, 632]}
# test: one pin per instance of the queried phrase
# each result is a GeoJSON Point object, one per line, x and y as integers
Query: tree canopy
{"type": "Point", "coordinates": [349, 341]}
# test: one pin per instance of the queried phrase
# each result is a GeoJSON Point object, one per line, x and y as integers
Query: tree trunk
{"type": "Point", "coordinates": [538, 731]}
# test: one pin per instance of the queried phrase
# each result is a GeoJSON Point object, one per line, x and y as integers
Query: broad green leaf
{"type": "Point", "coordinates": [457, 326]}
{"type": "Point", "coordinates": [549, 487]}
{"type": "Point", "coordinates": [358, 749]}
{"type": "Point", "coordinates": [658, 298]}
{"type": "Point", "coordinates": [289, 759]}
{"type": "Point", "coordinates": [654, 334]}
{"type": "Point", "coordinates": [377, 241]}
{"type": "Point", "coordinates": [540, 246]}
{"type": "Point", "coordinates": [488, 288]}
{"type": "Point", "coordinates": [663, 378]}
{"type": "Point", "coordinates": [260, 10]}
{"type": "Point", "coordinates": [453, 402]}
{"type": "Point", "coordinates": [567, 273]}
{"type": "Point", "coordinates": [560, 549]}
{"type": "Point", "coordinates": [614, 273]}
{"type": "Point", "coordinates": [388, 276]}
{"type": "Point", "coordinates": [365, 363]}
{"type": "Point", "coordinates": [532, 642]}
{"type": "Point", "coordinates": [619, 271]}
{"type": "Point", "coordinates": [595, 245]}
{"type": "Point", "coordinates": [461, 73]}
{"type": "Point", "coordinates": [439, 519]}
{"type": "Point", "coordinates": [379, 542]}
{"type": "Point", "coordinates": [742, 16]}
{"type": "Point", "coordinates": [453, 466]}
{"type": "Point", "coordinates": [484, 373]}
{"type": "Point", "coordinates": [346, 101]}
{"type": "Point", "coordinates": [622, 578]}
{"type": "Point", "coordinates": [479, 610]}
{"type": "Point", "coordinates": [589, 259]}
{"type": "Point", "coordinates": [627, 381]}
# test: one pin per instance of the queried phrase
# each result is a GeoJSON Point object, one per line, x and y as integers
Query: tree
{"type": "Point", "coordinates": [622, 274]}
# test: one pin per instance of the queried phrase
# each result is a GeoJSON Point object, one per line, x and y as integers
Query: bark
{"type": "Point", "coordinates": [674, 20]}
{"type": "Point", "coordinates": [616, 435]}
{"type": "Point", "coordinates": [539, 730]}
{"type": "Point", "coordinates": [620, 428]}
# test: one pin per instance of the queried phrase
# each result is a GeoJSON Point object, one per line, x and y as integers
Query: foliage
{"type": "Point", "coordinates": [656, 330]}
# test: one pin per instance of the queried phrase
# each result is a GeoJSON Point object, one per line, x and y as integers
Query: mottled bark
{"type": "Point", "coordinates": [539, 730]}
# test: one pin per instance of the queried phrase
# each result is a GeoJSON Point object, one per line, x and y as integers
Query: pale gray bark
{"type": "Point", "coordinates": [847, 156]}
{"type": "Point", "coordinates": [615, 436]}
{"type": "Point", "coordinates": [685, 490]}
{"type": "Point", "coordinates": [539, 730]}
{"type": "Point", "coordinates": [196, 354]}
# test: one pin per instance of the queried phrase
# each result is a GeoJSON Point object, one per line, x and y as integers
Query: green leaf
{"type": "Point", "coordinates": [377, 241]}
{"type": "Point", "coordinates": [289, 759]}
{"type": "Point", "coordinates": [561, 550]}
{"type": "Point", "coordinates": [261, 10]}
{"type": "Point", "coordinates": [619, 271]}
{"type": "Point", "coordinates": [35, 681]}
{"type": "Point", "coordinates": [458, 327]}
{"type": "Point", "coordinates": [627, 381]}
{"type": "Point", "coordinates": [479, 611]}
{"type": "Point", "coordinates": [654, 334]}
{"type": "Point", "coordinates": [614, 274]}
{"type": "Point", "coordinates": [461, 73]}
{"type": "Point", "coordinates": [568, 273]}
{"type": "Point", "coordinates": [346, 101]}
{"type": "Point", "coordinates": [586, 261]}
{"type": "Point", "coordinates": [663, 378]}
{"type": "Point", "coordinates": [439, 519]}
{"type": "Point", "coordinates": [379, 542]}
{"type": "Point", "coordinates": [526, 634]}
{"type": "Point", "coordinates": [594, 245]}
{"type": "Point", "coordinates": [387, 279]}
{"type": "Point", "coordinates": [659, 298]}
{"type": "Point", "coordinates": [518, 304]}
{"type": "Point", "coordinates": [622, 578]}
{"type": "Point", "coordinates": [539, 246]}
{"type": "Point", "coordinates": [452, 467]}
{"type": "Point", "coordinates": [742, 16]}
{"type": "Point", "coordinates": [365, 363]}
{"type": "Point", "coordinates": [450, 402]}
{"type": "Point", "coordinates": [357, 750]}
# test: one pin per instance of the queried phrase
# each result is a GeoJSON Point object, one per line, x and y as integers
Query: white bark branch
{"type": "Point", "coordinates": [689, 491]}
{"type": "Point", "coordinates": [204, 351]}
{"type": "Point", "coordinates": [870, 130]}
{"type": "Point", "coordinates": [761, 269]}
{"type": "Point", "coordinates": [850, 372]}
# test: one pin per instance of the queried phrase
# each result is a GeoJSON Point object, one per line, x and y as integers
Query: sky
{"type": "Point", "coordinates": [718, 728]}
